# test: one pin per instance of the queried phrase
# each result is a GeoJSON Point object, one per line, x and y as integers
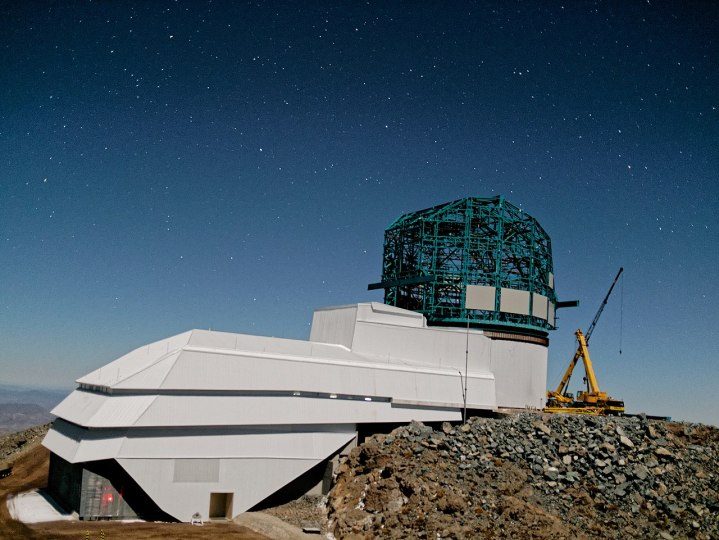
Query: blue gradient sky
{"type": "Point", "coordinates": [227, 165]}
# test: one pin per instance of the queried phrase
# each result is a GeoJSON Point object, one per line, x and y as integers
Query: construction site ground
{"type": "Point", "coordinates": [528, 475]}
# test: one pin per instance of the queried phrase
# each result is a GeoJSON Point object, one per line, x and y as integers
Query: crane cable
{"type": "Point", "coordinates": [621, 315]}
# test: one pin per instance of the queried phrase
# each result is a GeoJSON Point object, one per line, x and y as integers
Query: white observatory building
{"type": "Point", "coordinates": [217, 423]}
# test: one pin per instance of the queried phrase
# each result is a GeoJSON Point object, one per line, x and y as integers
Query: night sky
{"type": "Point", "coordinates": [228, 165]}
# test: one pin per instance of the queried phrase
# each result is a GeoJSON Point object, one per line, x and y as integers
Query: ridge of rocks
{"type": "Point", "coordinates": [13, 444]}
{"type": "Point", "coordinates": [532, 475]}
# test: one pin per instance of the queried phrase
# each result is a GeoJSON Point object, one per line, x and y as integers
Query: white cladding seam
{"type": "Point", "coordinates": [218, 411]}
{"type": "Point", "coordinates": [194, 444]}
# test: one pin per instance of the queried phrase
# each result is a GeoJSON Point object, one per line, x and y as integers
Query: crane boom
{"type": "Point", "coordinates": [589, 331]}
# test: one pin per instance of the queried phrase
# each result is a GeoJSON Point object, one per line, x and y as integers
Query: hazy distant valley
{"type": "Point", "coordinates": [22, 407]}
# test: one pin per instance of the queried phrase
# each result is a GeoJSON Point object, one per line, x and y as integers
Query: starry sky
{"type": "Point", "coordinates": [233, 165]}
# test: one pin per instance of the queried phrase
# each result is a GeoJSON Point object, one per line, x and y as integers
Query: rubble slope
{"type": "Point", "coordinates": [532, 476]}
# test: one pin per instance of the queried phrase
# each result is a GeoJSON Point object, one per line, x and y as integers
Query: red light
{"type": "Point", "coordinates": [108, 497]}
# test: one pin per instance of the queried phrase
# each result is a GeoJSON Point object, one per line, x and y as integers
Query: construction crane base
{"type": "Point", "coordinates": [593, 400]}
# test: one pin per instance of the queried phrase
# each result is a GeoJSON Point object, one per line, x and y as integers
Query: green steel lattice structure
{"type": "Point", "coordinates": [430, 257]}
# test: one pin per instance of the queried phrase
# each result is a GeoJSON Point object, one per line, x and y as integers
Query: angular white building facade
{"type": "Point", "coordinates": [215, 423]}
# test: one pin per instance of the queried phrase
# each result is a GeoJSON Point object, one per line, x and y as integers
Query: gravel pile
{"type": "Point", "coordinates": [532, 476]}
{"type": "Point", "coordinates": [309, 511]}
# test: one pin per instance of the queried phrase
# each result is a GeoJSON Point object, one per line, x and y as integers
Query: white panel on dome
{"type": "Point", "coordinates": [480, 297]}
{"type": "Point", "coordinates": [539, 306]}
{"type": "Point", "coordinates": [550, 314]}
{"type": "Point", "coordinates": [551, 280]}
{"type": "Point", "coordinates": [514, 301]}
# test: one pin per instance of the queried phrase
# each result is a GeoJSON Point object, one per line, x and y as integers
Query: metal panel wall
{"type": "Point", "coordinates": [334, 326]}
{"type": "Point", "coordinates": [135, 361]}
{"type": "Point", "coordinates": [539, 306]}
{"type": "Point", "coordinates": [376, 312]}
{"type": "Point", "coordinates": [480, 297]}
{"type": "Point", "coordinates": [99, 499]}
{"type": "Point", "coordinates": [514, 301]}
{"type": "Point", "coordinates": [196, 470]}
{"type": "Point", "coordinates": [250, 480]}
{"type": "Point", "coordinates": [520, 371]}
{"type": "Point", "coordinates": [64, 482]}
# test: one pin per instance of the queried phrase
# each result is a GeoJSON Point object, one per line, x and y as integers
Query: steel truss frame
{"type": "Point", "coordinates": [430, 256]}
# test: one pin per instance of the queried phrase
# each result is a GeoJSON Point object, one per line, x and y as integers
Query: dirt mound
{"type": "Point", "coordinates": [532, 476]}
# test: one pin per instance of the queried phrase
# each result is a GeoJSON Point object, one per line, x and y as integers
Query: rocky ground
{"type": "Point", "coordinates": [522, 476]}
{"type": "Point", "coordinates": [307, 512]}
{"type": "Point", "coordinates": [532, 476]}
{"type": "Point", "coordinates": [12, 445]}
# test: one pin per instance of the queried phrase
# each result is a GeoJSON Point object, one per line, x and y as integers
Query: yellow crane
{"type": "Point", "coordinates": [592, 400]}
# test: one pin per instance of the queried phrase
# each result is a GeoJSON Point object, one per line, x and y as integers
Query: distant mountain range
{"type": "Point", "coordinates": [23, 407]}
